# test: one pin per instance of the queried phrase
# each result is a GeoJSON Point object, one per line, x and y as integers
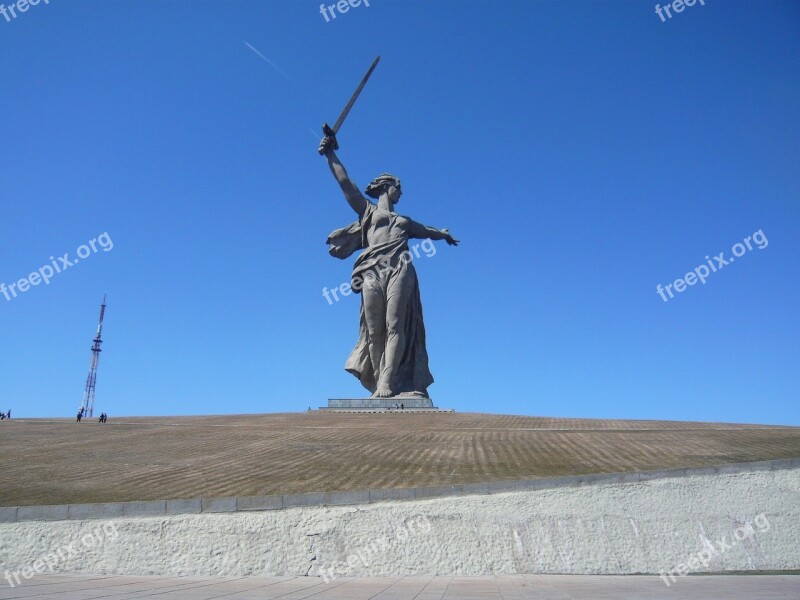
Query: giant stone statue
{"type": "Point", "coordinates": [390, 358]}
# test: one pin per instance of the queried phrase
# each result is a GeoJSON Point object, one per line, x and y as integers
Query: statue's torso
{"type": "Point", "coordinates": [386, 227]}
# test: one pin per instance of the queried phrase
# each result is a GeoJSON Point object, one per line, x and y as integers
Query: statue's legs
{"type": "Point", "coordinates": [398, 299]}
{"type": "Point", "coordinates": [374, 300]}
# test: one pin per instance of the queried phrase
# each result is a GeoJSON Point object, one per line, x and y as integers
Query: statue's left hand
{"type": "Point", "coordinates": [449, 238]}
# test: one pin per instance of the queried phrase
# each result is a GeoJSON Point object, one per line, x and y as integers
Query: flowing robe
{"type": "Point", "coordinates": [386, 268]}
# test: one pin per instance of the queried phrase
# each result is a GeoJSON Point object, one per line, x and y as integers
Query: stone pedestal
{"type": "Point", "coordinates": [410, 403]}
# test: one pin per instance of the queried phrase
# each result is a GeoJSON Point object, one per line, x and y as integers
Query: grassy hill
{"type": "Point", "coordinates": [59, 461]}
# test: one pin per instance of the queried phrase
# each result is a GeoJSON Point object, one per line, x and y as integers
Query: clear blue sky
{"type": "Point", "coordinates": [583, 152]}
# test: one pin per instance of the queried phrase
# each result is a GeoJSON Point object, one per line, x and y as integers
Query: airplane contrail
{"type": "Point", "coordinates": [268, 61]}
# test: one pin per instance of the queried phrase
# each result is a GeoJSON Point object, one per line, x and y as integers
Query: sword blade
{"type": "Point", "coordinates": [354, 97]}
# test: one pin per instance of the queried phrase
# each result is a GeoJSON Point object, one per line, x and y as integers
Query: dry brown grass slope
{"type": "Point", "coordinates": [60, 461]}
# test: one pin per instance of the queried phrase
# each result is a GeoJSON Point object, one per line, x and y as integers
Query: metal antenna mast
{"type": "Point", "coordinates": [91, 380]}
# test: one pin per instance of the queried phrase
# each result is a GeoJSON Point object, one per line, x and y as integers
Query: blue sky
{"type": "Point", "coordinates": [583, 153]}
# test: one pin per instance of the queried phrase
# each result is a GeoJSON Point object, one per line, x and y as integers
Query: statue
{"type": "Point", "coordinates": [390, 358]}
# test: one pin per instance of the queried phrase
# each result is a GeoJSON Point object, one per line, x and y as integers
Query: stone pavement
{"type": "Point", "coordinates": [505, 587]}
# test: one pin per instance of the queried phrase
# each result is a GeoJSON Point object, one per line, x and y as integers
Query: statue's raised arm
{"type": "Point", "coordinates": [351, 192]}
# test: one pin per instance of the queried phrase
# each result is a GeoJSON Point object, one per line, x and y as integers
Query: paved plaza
{"type": "Point", "coordinates": [511, 587]}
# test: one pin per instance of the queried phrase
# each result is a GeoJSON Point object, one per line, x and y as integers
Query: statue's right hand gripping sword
{"type": "Point", "coordinates": [332, 131]}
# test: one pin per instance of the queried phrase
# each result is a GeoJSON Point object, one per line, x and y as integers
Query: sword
{"type": "Point", "coordinates": [332, 131]}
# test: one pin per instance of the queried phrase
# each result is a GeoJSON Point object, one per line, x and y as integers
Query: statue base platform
{"type": "Point", "coordinates": [415, 403]}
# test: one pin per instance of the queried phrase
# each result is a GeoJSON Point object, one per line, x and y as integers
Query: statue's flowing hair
{"type": "Point", "coordinates": [380, 184]}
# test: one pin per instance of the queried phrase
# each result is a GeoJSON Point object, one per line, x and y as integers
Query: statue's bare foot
{"type": "Point", "coordinates": [383, 392]}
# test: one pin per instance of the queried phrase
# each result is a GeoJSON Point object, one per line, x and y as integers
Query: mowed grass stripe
{"type": "Point", "coordinates": [59, 461]}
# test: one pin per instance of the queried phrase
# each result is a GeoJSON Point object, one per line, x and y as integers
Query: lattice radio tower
{"type": "Point", "coordinates": [91, 380]}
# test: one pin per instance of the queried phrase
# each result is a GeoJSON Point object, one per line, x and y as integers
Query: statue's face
{"type": "Point", "coordinates": [394, 194]}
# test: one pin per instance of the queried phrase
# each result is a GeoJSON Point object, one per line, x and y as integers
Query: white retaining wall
{"type": "Point", "coordinates": [651, 526]}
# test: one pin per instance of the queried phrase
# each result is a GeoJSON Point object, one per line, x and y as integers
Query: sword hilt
{"type": "Point", "coordinates": [329, 132]}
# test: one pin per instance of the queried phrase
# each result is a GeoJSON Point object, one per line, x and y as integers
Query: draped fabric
{"type": "Point", "coordinates": [343, 242]}
{"type": "Point", "coordinates": [386, 269]}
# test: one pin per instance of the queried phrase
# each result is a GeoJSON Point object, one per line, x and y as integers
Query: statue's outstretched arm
{"type": "Point", "coordinates": [351, 192]}
{"type": "Point", "coordinates": [423, 232]}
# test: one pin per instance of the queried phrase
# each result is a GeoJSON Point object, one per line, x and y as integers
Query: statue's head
{"type": "Point", "coordinates": [385, 184]}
